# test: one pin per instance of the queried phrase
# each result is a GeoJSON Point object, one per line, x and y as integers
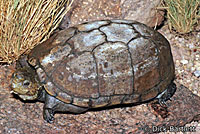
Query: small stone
{"type": "Point", "coordinates": [184, 61]}
{"type": "Point", "coordinates": [198, 36]}
{"type": "Point", "coordinates": [191, 46]}
{"type": "Point", "coordinates": [170, 36]}
{"type": "Point", "coordinates": [197, 64]}
{"type": "Point", "coordinates": [177, 62]}
{"type": "Point", "coordinates": [181, 40]}
{"type": "Point", "coordinates": [197, 73]}
{"type": "Point", "coordinates": [195, 92]}
{"type": "Point", "coordinates": [192, 69]}
{"type": "Point", "coordinates": [180, 71]}
{"type": "Point", "coordinates": [188, 81]}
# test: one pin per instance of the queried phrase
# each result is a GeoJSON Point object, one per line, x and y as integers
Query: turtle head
{"type": "Point", "coordinates": [25, 83]}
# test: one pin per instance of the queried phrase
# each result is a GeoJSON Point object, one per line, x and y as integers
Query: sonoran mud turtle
{"type": "Point", "coordinates": [96, 64]}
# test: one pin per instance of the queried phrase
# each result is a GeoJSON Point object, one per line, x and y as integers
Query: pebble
{"type": "Point", "coordinates": [191, 45]}
{"type": "Point", "coordinates": [180, 71]}
{"type": "Point", "coordinates": [188, 81]}
{"type": "Point", "coordinates": [195, 92]}
{"type": "Point", "coordinates": [181, 40]}
{"type": "Point", "coordinates": [197, 73]}
{"type": "Point", "coordinates": [192, 69]}
{"type": "Point", "coordinates": [198, 35]}
{"type": "Point", "coordinates": [170, 36]}
{"type": "Point", "coordinates": [184, 61]}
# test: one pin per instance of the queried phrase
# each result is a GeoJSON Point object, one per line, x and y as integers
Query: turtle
{"type": "Point", "coordinates": [96, 64]}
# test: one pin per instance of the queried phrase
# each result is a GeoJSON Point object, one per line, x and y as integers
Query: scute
{"type": "Point", "coordinates": [115, 72]}
{"type": "Point", "coordinates": [145, 58]}
{"type": "Point", "coordinates": [103, 63]}
{"type": "Point", "coordinates": [87, 41]}
{"type": "Point", "coordinates": [100, 102]}
{"type": "Point", "coordinates": [57, 40]}
{"type": "Point", "coordinates": [119, 32]}
{"type": "Point", "coordinates": [141, 49]}
{"type": "Point", "coordinates": [92, 25]}
{"type": "Point", "coordinates": [77, 76]}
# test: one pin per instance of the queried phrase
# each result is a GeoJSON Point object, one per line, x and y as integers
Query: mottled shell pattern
{"type": "Point", "coordinates": [103, 63]}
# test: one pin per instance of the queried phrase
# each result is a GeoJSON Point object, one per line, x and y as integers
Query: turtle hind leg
{"type": "Point", "coordinates": [166, 94]}
{"type": "Point", "coordinates": [160, 106]}
{"type": "Point", "coordinates": [53, 105]}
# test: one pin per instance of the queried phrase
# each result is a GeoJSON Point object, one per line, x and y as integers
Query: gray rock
{"type": "Point", "coordinates": [197, 73]}
{"type": "Point", "coordinates": [140, 10]}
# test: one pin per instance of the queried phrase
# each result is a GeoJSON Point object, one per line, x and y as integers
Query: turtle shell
{"type": "Point", "coordinates": [103, 63]}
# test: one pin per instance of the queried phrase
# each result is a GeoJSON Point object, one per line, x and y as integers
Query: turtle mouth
{"type": "Point", "coordinates": [27, 97]}
{"type": "Point", "coordinates": [24, 96]}
{"type": "Point", "coordinates": [13, 92]}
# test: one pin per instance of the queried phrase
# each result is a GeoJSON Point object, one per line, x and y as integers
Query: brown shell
{"type": "Point", "coordinates": [104, 63]}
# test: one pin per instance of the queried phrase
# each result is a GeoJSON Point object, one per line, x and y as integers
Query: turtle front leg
{"type": "Point", "coordinates": [53, 105]}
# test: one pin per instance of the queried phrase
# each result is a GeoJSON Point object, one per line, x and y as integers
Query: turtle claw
{"type": "Point", "coordinates": [162, 103]}
{"type": "Point", "coordinates": [166, 95]}
{"type": "Point", "coordinates": [48, 115]}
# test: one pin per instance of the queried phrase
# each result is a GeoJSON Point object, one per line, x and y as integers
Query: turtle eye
{"type": "Point", "coordinates": [26, 83]}
{"type": "Point", "coordinates": [13, 75]}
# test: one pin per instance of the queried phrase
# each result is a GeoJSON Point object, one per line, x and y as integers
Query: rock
{"type": "Point", "coordinates": [17, 116]}
{"type": "Point", "coordinates": [141, 10]}
{"type": "Point", "coordinates": [184, 61]}
{"type": "Point", "coordinates": [197, 73]}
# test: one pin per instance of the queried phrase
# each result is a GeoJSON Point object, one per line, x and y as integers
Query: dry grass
{"type": "Point", "coordinates": [182, 14]}
{"type": "Point", "coordinates": [26, 23]}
